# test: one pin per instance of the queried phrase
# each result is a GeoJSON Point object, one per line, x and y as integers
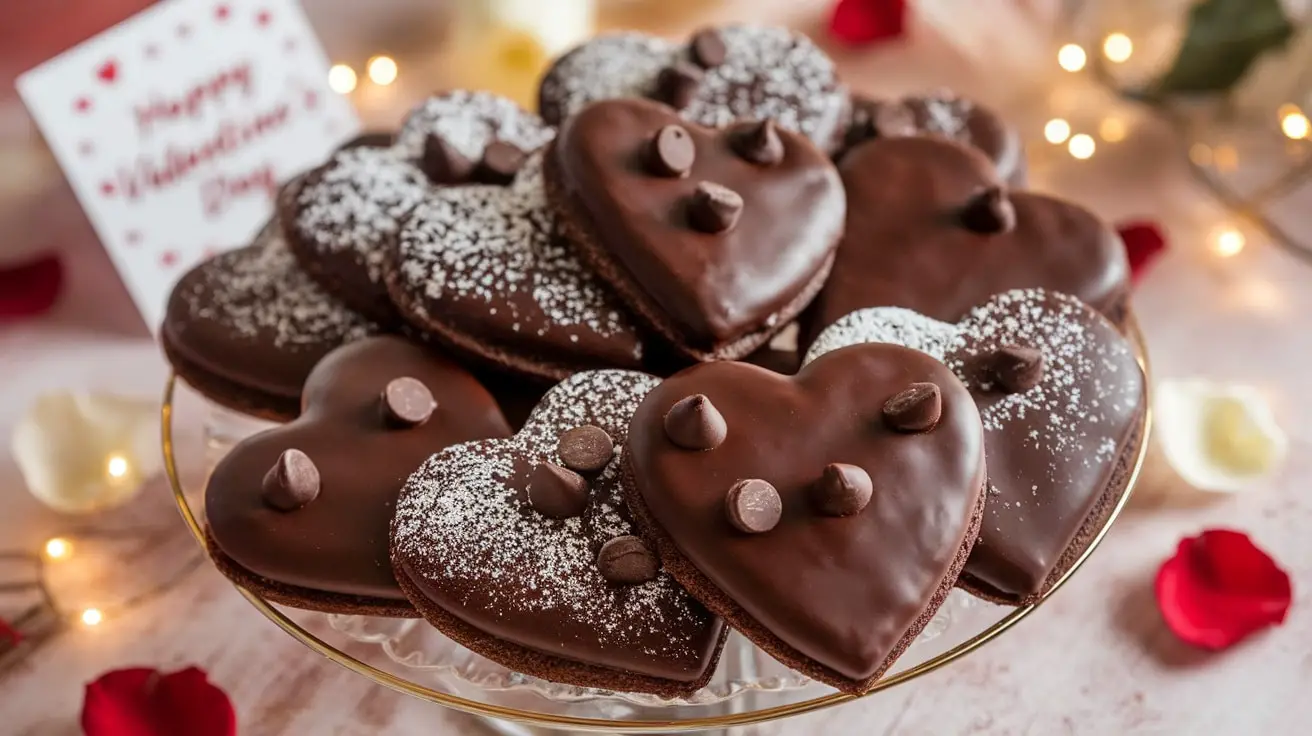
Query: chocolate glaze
{"type": "Point", "coordinates": [841, 591]}
{"type": "Point", "coordinates": [338, 542]}
{"type": "Point", "coordinates": [904, 246]}
{"type": "Point", "coordinates": [466, 537]}
{"type": "Point", "coordinates": [1052, 450]}
{"type": "Point", "coordinates": [253, 320]}
{"type": "Point", "coordinates": [950, 116]}
{"type": "Point", "coordinates": [765, 72]}
{"type": "Point", "coordinates": [715, 287]}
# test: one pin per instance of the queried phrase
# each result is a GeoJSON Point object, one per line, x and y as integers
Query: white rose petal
{"type": "Point", "coordinates": [81, 452]}
{"type": "Point", "coordinates": [1218, 437]}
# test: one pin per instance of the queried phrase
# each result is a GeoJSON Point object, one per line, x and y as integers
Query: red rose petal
{"type": "Point", "coordinates": [1219, 588]}
{"type": "Point", "coordinates": [1144, 242]}
{"type": "Point", "coordinates": [30, 289]}
{"type": "Point", "coordinates": [859, 22]}
{"type": "Point", "coordinates": [9, 633]}
{"type": "Point", "coordinates": [141, 702]}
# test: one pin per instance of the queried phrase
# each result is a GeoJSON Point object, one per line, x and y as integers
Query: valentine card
{"type": "Point", "coordinates": [176, 126]}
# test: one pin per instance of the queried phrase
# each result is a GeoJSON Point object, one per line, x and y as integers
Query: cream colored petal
{"type": "Point", "coordinates": [1219, 437]}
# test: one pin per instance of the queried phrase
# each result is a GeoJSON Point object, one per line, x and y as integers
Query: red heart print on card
{"type": "Point", "coordinates": [108, 71]}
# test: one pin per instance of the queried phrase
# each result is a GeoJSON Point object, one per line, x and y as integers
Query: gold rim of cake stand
{"type": "Point", "coordinates": [552, 720]}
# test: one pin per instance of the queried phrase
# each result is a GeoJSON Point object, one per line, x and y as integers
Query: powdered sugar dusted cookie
{"type": "Point", "coordinates": [245, 327]}
{"type": "Point", "coordinates": [344, 217]}
{"type": "Point", "coordinates": [480, 268]}
{"type": "Point", "coordinates": [522, 550]}
{"type": "Point", "coordinates": [468, 122]}
{"type": "Point", "coordinates": [942, 113]}
{"type": "Point", "coordinates": [735, 72]}
{"type": "Point", "coordinates": [1061, 397]}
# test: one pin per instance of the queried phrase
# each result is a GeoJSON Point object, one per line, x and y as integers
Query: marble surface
{"type": "Point", "coordinates": [1095, 659]}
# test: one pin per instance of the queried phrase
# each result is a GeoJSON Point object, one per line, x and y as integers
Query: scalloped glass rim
{"type": "Point", "coordinates": [631, 716]}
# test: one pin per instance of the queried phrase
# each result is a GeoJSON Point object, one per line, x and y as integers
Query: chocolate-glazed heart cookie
{"type": "Point", "coordinates": [1062, 401]}
{"type": "Point", "coordinates": [245, 327]}
{"type": "Point", "coordinates": [522, 550]}
{"type": "Point", "coordinates": [300, 513]}
{"type": "Point", "coordinates": [945, 114]}
{"type": "Point", "coordinates": [345, 217]}
{"type": "Point", "coordinates": [720, 75]}
{"type": "Point", "coordinates": [715, 239]}
{"type": "Point", "coordinates": [481, 269]}
{"type": "Point", "coordinates": [930, 227]}
{"type": "Point", "coordinates": [795, 508]}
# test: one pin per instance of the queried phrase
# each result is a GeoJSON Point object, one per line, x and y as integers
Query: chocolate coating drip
{"type": "Point", "coordinates": [292, 482]}
{"type": "Point", "coordinates": [695, 424]}
{"type": "Point", "coordinates": [442, 163]}
{"type": "Point", "coordinates": [677, 84]}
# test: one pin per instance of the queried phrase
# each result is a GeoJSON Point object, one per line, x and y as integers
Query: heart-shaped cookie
{"type": "Point", "coordinates": [245, 327]}
{"type": "Point", "coordinates": [824, 515]}
{"type": "Point", "coordinates": [345, 217]}
{"type": "Point", "coordinates": [480, 268]}
{"type": "Point", "coordinates": [720, 75]}
{"type": "Point", "coordinates": [522, 550]}
{"type": "Point", "coordinates": [930, 227]}
{"type": "Point", "coordinates": [300, 513]}
{"type": "Point", "coordinates": [716, 238]}
{"type": "Point", "coordinates": [1062, 399]}
{"type": "Point", "coordinates": [945, 114]}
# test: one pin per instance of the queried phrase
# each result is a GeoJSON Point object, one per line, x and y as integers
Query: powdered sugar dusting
{"type": "Point", "coordinates": [495, 246]}
{"type": "Point", "coordinates": [356, 202]}
{"type": "Point", "coordinates": [469, 121]}
{"type": "Point", "coordinates": [462, 523]}
{"type": "Point", "coordinates": [768, 73]}
{"type": "Point", "coordinates": [260, 290]}
{"type": "Point", "coordinates": [947, 115]}
{"type": "Point", "coordinates": [1078, 352]}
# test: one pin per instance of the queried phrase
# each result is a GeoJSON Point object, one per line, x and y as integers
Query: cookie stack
{"type": "Point", "coordinates": [520, 361]}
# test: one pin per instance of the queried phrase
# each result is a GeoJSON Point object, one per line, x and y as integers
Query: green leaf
{"type": "Point", "coordinates": [1223, 39]}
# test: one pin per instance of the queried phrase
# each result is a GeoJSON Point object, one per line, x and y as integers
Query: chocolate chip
{"type": "Point", "coordinates": [628, 561]}
{"type": "Point", "coordinates": [407, 402]}
{"type": "Point", "coordinates": [753, 506]}
{"type": "Point", "coordinates": [694, 423]}
{"type": "Point", "coordinates": [292, 482]}
{"type": "Point", "coordinates": [714, 208]}
{"type": "Point", "coordinates": [989, 212]}
{"type": "Point", "coordinates": [843, 489]}
{"type": "Point", "coordinates": [760, 143]}
{"type": "Point", "coordinates": [708, 48]}
{"type": "Point", "coordinates": [556, 492]}
{"type": "Point", "coordinates": [500, 162]}
{"type": "Point", "coordinates": [892, 120]}
{"type": "Point", "coordinates": [443, 164]}
{"type": "Point", "coordinates": [1016, 369]}
{"type": "Point", "coordinates": [671, 152]}
{"type": "Point", "coordinates": [586, 449]}
{"type": "Point", "coordinates": [677, 84]}
{"type": "Point", "coordinates": [916, 408]}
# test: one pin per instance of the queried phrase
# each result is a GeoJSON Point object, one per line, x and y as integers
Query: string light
{"type": "Point", "coordinates": [1117, 47]}
{"type": "Point", "coordinates": [1112, 130]}
{"type": "Point", "coordinates": [1057, 131]}
{"type": "Point", "coordinates": [1082, 146]}
{"type": "Point", "coordinates": [92, 617]}
{"type": "Point", "coordinates": [1071, 57]}
{"type": "Point", "coordinates": [58, 548]}
{"type": "Point", "coordinates": [1228, 242]}
{"type": "Point", "coordinates": [1295, 124]}
{"type": "Point", "coordinates": [117, 467]}
{"type": "Point", "coordinates": [1226, 157]}
{"type": "Point", "coordinates": [341, 78]}
{"type": "Point", "coordinates": [382, 70]}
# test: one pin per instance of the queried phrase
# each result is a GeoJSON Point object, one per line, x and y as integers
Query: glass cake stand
{"type": "Point", "coordinates": [749, 687]}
